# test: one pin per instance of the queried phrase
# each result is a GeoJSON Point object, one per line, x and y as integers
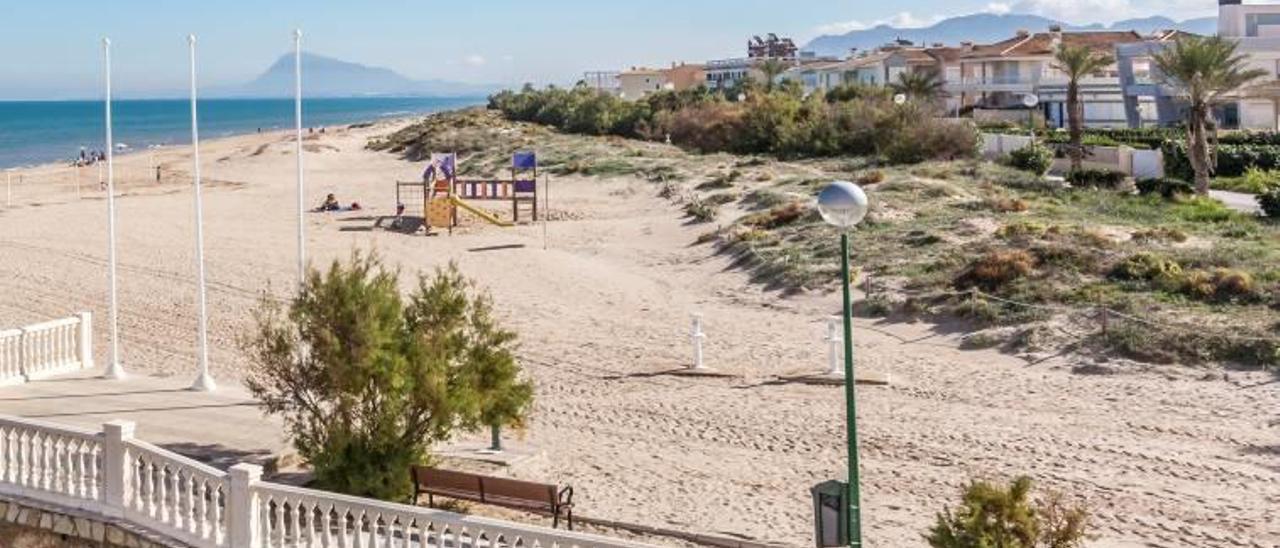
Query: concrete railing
{"type": "Point", "coordinates": [1139, 164]}
{"type": "Point", "coordinates": [113, 475]}
{"type": "Point", "coordinates": [46, 349]}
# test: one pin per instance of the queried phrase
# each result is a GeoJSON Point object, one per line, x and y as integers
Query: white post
{"type": "Point", "coordinates": [297, 120]}
{"type": "Point", "coordinates": [114, 369]}
{"type": "Point", "coordinates": [203, 382]}
{"type": "Point", "coordinates": [85, 348]}
{"type": "Point", "coordinates": [243, 507]}
{"type": "Point", "coordinates": [117, 471]}
{"type": "Point", "coordinates": [698, 336]}
{"type": "Point", "coordinates": [834, 367]}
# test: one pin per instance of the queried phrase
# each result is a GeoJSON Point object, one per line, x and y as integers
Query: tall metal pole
{"type": "Point", "coordinates": [851, 410]}
{"type": "Point", "coordinates": [297, 114]}
{"type": "Point", "coordinates": [203, 382]}
{"type": "Point", "coordinates": [114, 369]}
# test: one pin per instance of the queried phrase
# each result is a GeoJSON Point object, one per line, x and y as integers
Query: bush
{"type": "Point", "coordinates": [367, 382]}
{"type": "Point", "coordinates": [996, 269]}
{"type": "Point", "coordinates": [776, 217]}
{"type": "Point", "coordinates": [1096, 178]}
{"type": "Point", "coordinates": [1269, 201]}
{"type": "Point", "coordinates": [1148, 267]}
{"type": "Point", "coordinates": [702, 211]}
{"type": "Point", "coordinates": [782, 122]}
{"type": "Point", "coordinates": [1168, 188]}
{"type": "Point", "coordinates": [1035, 159]}
{"type": "Point", "coordinates": [993, 516]}
{"type": "Point", "coordinates": [871, 178]}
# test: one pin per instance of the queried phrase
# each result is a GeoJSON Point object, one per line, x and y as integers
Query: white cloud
{"type": "Point", "coordinates": [902, 20]}
{"type": "Point", "coordinates": [998, 8]}
{"type": "Point", "coordinates": [475, 60]}
{"type": "Point", "coordinates": [840, 28]}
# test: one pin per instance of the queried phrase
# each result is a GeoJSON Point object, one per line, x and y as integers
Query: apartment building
{"type": "Point", "coordinates": [638, 83]}
{"type": "Point", "coordinates": [1000, 76]}
{"type": "Point", "coordinates": [1256, 30]}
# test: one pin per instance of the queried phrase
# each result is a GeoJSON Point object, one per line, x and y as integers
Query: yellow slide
{"type": "Point", "coordinates": [479, 212]}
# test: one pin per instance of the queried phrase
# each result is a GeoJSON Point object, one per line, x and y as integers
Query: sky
{"type": "Point", "coordinates": [50, 49]}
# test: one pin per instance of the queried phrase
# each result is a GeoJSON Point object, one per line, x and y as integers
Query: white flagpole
{"type": "Point", "coordinates": [297, 114]}
{"type": "Point", "coordinates": [114, 369]}
{"type": "Point", "coordinates": [203, 382]}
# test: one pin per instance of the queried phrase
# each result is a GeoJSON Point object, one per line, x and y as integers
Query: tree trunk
{"type": "Point", "coordinates": [1075, 121]}
{"type": "Point", "coordinates": [1198, 146]}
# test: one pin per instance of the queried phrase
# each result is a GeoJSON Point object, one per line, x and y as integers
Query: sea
{"type": "Point", "coordinates": [40, 132]}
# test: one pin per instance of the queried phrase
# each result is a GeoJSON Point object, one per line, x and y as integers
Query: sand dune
{"type": "Point", "coordinates": [1164, 458]}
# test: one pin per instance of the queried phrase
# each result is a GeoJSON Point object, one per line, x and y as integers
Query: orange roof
{"type": "Point", "coordinates": [945, 55]}
{"type": "Point", "coordinates": [1043, 43]}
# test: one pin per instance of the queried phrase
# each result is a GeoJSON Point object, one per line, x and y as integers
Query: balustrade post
{"type": "Point", "coordinates": [24, 354]}
{"type": "Point", "coordinates": [86, 340]}
{"type": "Point", "coordinates": [242, 506]}
{"type": "Point", "coordinates": [117, 471]}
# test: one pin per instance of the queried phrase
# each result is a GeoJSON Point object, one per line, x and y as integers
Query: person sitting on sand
{"type": "Point", "coordinates": [330, 204]}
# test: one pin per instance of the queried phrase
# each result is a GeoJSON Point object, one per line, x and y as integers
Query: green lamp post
{"type": "Point", "coordinates": [844, 205]}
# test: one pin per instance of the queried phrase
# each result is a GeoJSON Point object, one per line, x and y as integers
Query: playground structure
{"type": "Point", "coordinates": [442, 193]}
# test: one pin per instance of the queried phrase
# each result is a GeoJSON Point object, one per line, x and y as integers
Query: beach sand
{"type": "Point", "coordinates": [1169, 457]}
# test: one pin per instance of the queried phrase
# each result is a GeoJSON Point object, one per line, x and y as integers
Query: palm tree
{"type": "Point", "coordinates": [1203, 70]}
{"type": "Point", "coordinates": [922, 84]}
{"type": "Point", "coordinates": [771, 69]}
{"type": "Point", "coordinates": [1078, 62]}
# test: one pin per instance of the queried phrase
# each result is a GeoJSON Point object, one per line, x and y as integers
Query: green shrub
{"type": "Point", "coordinates": [992, 516]}
{"type": "Point", "coordinates": [1148, 267]}
{"type": "Point", "coordinates": [1269, 201]}
{"type": "Point", "coordinates": [367, 382]}
{"type": "Point", "coordinates": [1168, 188]}
{"type": "Point", "coordinates": [1096, 178]}
{"type": "Point", "coordinates": [1035, 159]}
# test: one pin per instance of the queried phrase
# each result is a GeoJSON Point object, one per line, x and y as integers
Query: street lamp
{"type": "Point", "coordinates": [844, 205]}
{"type": "Point", "coordinates": [1030, 101]}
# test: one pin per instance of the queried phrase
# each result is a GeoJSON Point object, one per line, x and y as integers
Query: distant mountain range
{"type": "Point", "coordinates": [328, 77]}
{"type": "Point", "coordinates": [987, 28]}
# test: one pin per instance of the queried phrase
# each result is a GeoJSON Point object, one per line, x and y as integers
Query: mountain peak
{"type": "Point", "coordinates": [324, 76]}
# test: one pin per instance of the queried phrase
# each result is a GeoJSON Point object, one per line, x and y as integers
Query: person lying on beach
{"type": "Point", "coordinates": [330, 204]}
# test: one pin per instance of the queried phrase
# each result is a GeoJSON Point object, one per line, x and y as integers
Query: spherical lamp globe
{"type": "Point", "coordinates": [843, 204]}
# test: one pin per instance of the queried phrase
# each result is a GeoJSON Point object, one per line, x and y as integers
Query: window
{"type": "Point", "coordinates": [1262, 25]}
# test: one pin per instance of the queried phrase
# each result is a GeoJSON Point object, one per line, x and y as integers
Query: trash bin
{"type": "Point", "coordinates": [830, 513]}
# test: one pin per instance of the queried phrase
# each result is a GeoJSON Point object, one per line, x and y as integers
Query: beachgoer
{"type": "Point", "coordinates": [330, 204]}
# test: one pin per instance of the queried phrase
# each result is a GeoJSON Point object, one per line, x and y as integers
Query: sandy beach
{"type": "Point", "coordinates": [602, 299]}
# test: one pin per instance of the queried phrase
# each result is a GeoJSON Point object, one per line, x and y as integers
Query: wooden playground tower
{"type": "Point", "coordinates": [442, 193]}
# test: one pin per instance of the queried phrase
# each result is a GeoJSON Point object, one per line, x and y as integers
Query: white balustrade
{"type": "Point", "coordinates": [46, 349]}
{"type": "Point", "coordinates": [114, 475]}
{"type": "Point", "coordinates": [51, 463]}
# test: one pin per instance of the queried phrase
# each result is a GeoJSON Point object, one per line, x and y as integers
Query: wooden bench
{"type": "Point", "coordinates": [538, 498]}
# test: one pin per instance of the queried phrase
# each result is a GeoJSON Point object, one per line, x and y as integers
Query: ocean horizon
{"type": "Point", "coordinates": [41, 132]}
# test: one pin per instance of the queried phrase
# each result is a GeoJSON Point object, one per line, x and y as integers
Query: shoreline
{"type": "Point", "coordinates": [178, 136]}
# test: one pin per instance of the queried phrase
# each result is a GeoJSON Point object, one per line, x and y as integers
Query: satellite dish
{"type": "Point", "coordinates": [900, 99]}
{"type": "Point", "coordinates": [1030, 100]}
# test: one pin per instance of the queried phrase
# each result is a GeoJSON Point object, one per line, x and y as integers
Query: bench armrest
{"type": "Point", "coordinates": [565, 498]}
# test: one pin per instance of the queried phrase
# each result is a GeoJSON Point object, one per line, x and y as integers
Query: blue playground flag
{"type": "Point", "coordinates": [524, 160]}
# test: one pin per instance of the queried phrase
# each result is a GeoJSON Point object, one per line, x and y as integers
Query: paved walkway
{"type": "Point", "coordinates": [220, 428]}
{"type": "Point", "coordinates": [1239, 201]}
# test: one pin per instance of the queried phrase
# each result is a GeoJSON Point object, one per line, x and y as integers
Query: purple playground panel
{"type": "Point", "coordinates": [524, 160]}
{"type": "Point", "coordinates": [525, 187]}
